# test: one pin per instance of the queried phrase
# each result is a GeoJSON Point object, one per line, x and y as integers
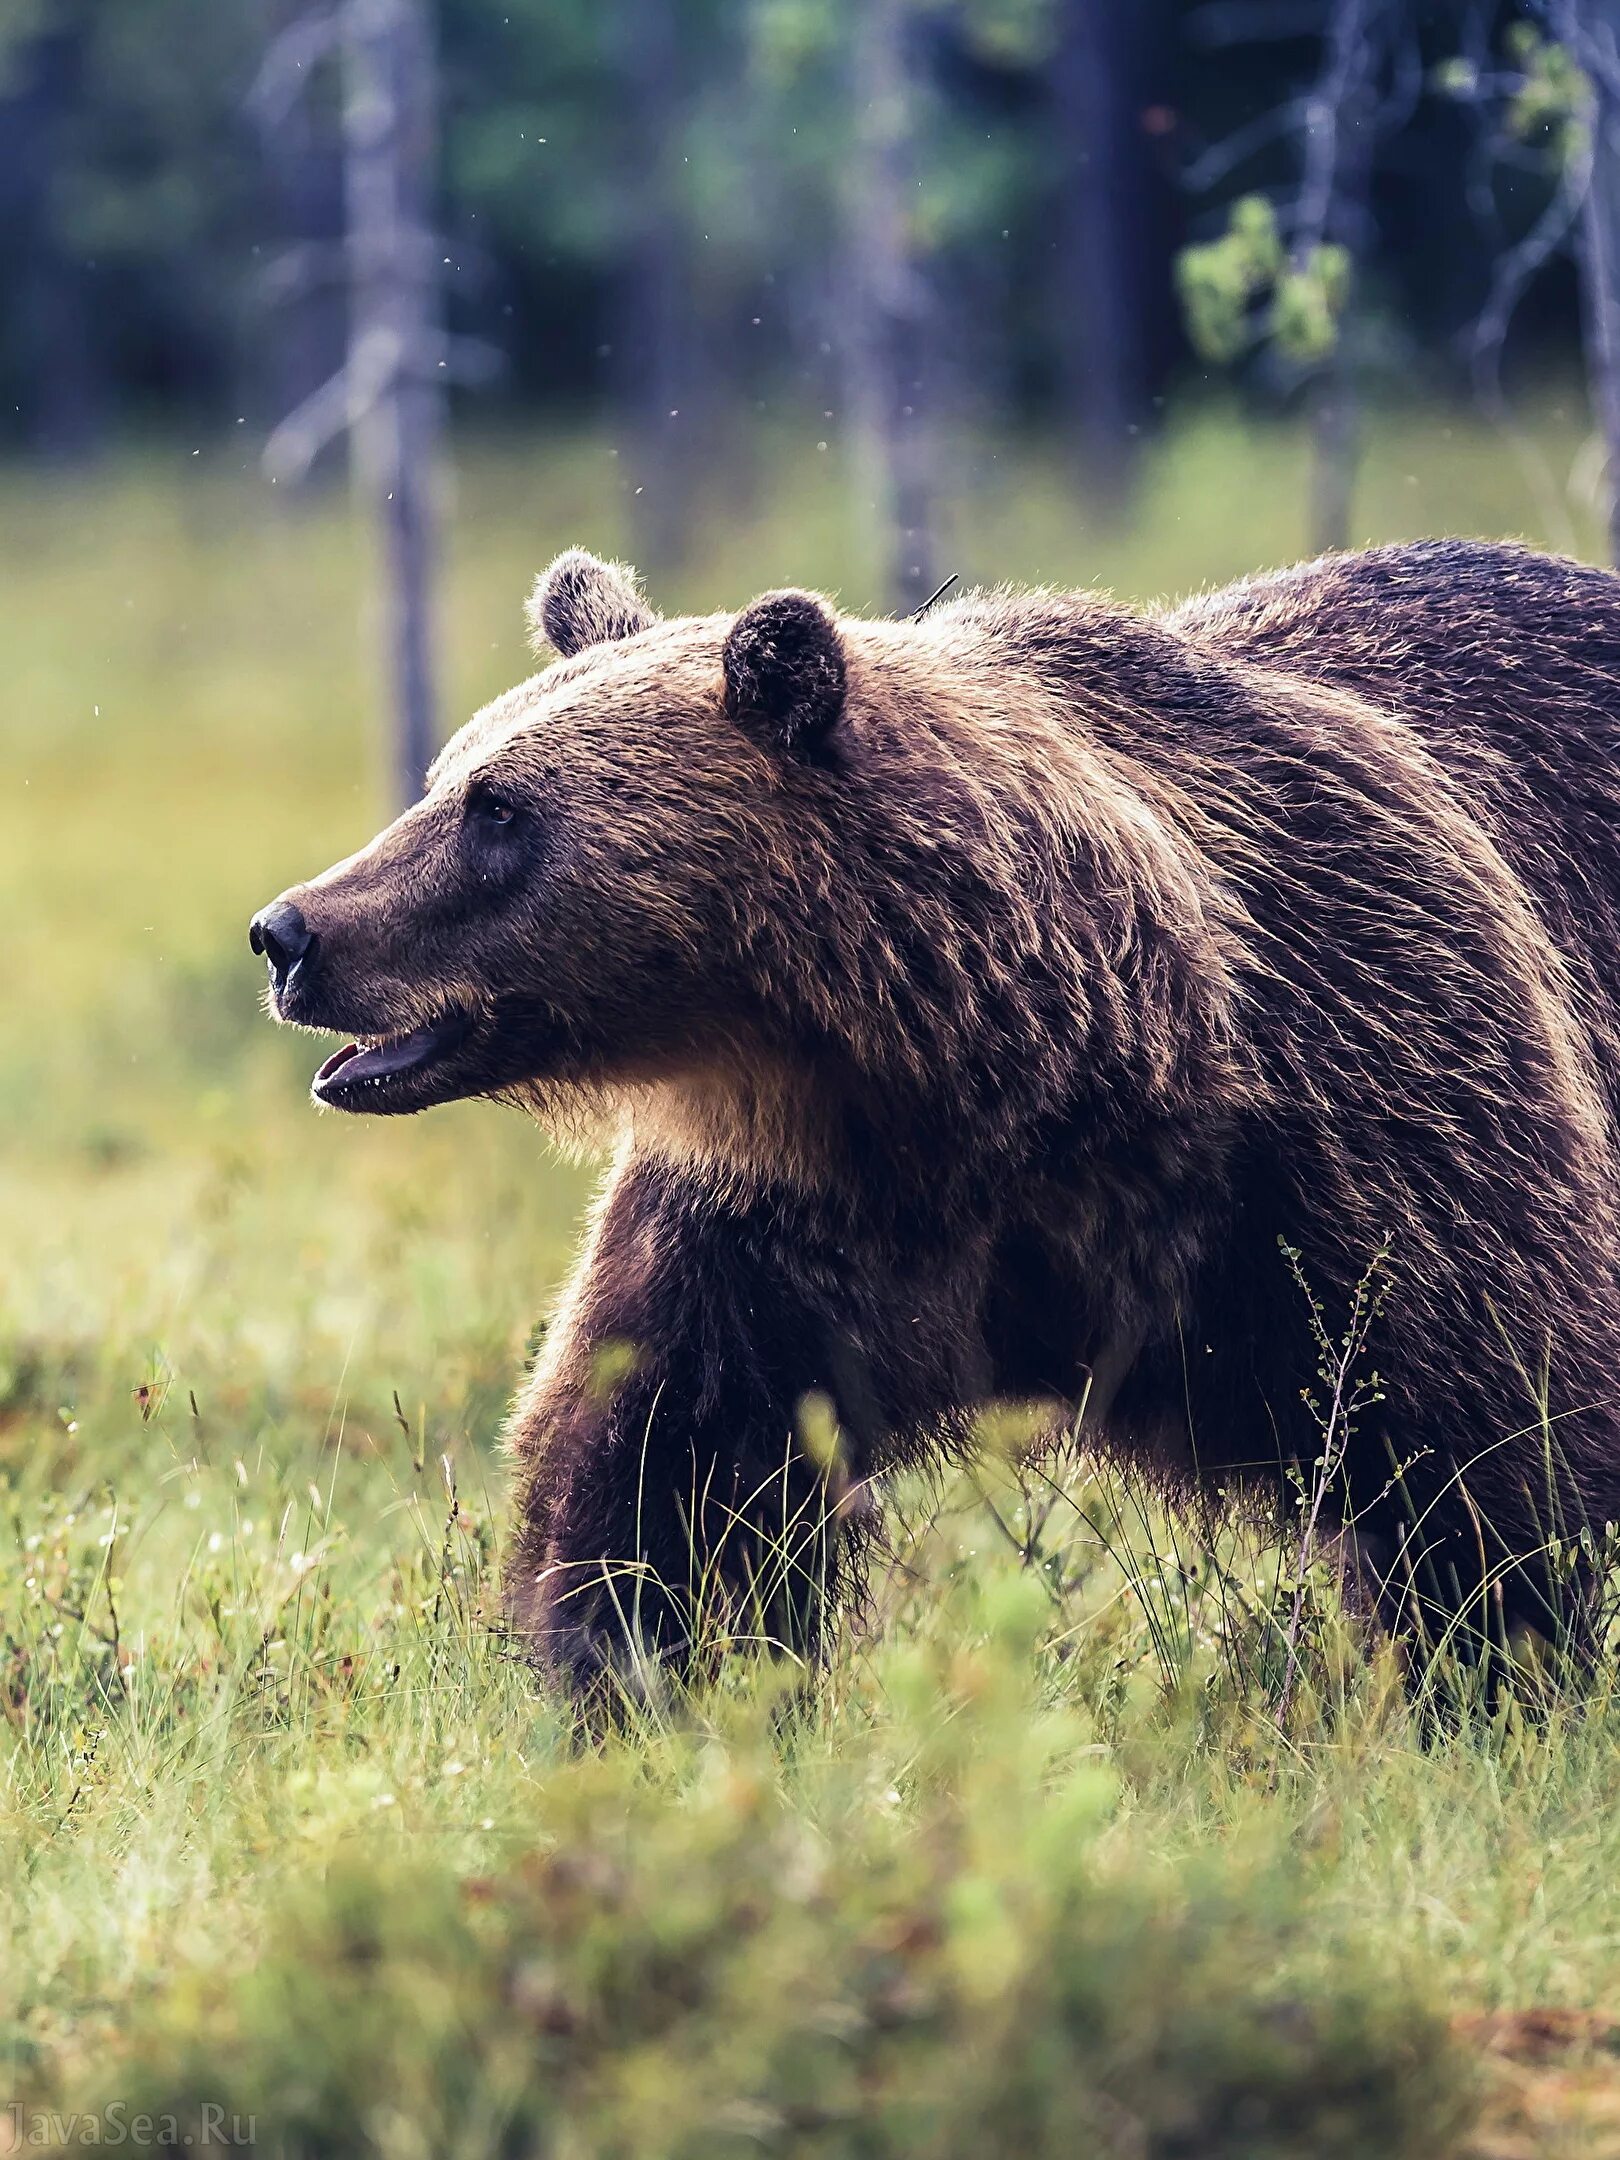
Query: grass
{"type": "Point", "coordinates": [284, 1832]}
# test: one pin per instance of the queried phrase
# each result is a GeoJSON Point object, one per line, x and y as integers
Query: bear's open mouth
{"type": "Point", "coordinates": [363, 1074]}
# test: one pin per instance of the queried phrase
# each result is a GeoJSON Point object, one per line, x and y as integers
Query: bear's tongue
{"type": "Point", "coordinates": [382, 1060]}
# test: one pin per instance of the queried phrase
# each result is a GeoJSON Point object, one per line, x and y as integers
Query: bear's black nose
{"type": "Point", "coordinates": [282, 935]}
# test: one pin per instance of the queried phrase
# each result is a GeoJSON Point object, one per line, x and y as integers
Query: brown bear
{"type": "Point", "coordinates": [986, 1006]}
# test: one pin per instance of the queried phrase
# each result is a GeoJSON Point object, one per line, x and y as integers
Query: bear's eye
{"type": "Point", "coordinates": [489, 804]}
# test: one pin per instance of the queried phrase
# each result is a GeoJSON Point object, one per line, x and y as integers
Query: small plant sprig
{"type": "Point", "coordinates": [1346, 1393]}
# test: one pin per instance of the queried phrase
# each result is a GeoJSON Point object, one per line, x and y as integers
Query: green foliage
{"type": "Point", "coordinates": [1546, 103]}
{"type": "Point", "coordinates": [1012, 33]}
{"type": "Point", "coordinates": [1224, 284]}
{"type": "Point", "coordinates": [1221, 281]}
{"type": "Point", "coordinates": [1550, 104]}
{"type": "Point", "coordinates": [791, 36]}
{"type": "Point", "coordinates": [689, 1966]}
{"type": "Point", "coordinates": [1309, 303]}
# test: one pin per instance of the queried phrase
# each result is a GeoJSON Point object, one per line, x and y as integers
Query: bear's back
{"type": "Point", "coordinates": [1506, 665]}
{"type": "Point", "coordinates": [1491, 652]}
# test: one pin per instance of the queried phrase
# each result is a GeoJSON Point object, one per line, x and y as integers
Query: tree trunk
{"type": "Point", "coordinates": [396, 341]}
{"type": "Point", "coordinates": [1335, 456]}
{"type": "Point", "coordinates": [65, 413]}
{"type": "Point", "coordinates": [299, 334]}
{"type": "Point", "coordinates": [887, 356]}
{"type": "Point", "coordinates": [658, 363]}
{"type": "Point", "coordinates": [1599, 53]}
{"type": "Point", "coordinates": [1333, 200]}
{"type": "Point", "coordinates": [1113, 252]}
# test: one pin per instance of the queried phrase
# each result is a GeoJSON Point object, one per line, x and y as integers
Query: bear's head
{"type": "Point", "coordinates": [595, 889]}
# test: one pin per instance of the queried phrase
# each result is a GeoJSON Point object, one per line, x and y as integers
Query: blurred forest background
{"type": "Point", "coordinates": [669, 209]}
{"type": "Point", "coordinates": [895, 224]}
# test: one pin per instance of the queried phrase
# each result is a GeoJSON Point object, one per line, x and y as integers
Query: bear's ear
{"type": "Point", "coordinates": [785, 677]}
{"type": "Point", "coordinates": [580, 601]}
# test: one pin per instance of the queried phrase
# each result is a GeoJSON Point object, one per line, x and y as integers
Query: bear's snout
{"type": "Point", "coordinates": [285, 939]}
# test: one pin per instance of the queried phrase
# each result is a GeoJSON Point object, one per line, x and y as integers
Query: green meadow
{"type": "Point", "coordinates": [291, 1847]}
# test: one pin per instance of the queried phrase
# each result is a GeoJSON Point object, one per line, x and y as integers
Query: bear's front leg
{"type": "Point", "coordinates": [665, 1494]}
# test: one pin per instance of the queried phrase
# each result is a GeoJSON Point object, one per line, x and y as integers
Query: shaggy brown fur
{"type": "Point", "coordinates": [977, 1002]}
